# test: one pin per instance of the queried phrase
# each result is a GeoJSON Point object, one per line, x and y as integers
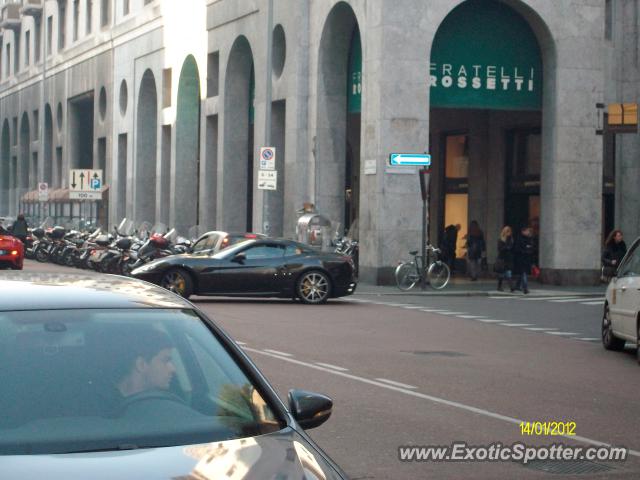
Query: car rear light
{"type": "Point", "coordinates": [14, 252]}
{"type": "Point", "coordinates": [251, 235]}
{"type": "Point", "coordinates": [225, 241]}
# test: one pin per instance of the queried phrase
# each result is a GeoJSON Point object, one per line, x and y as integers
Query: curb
{"type": "Point", "coordinates": [477, 294]}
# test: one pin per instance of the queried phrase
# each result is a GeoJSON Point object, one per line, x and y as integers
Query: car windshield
{"type": "Point", "coordinates": [93, 380]}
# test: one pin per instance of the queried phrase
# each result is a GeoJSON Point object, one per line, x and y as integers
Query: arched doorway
{"type": "Point", "coordinates": [337, 152]}
{"type": "Point", "coordinates": [239, 94]}
{"type": "Point", "coordinates": [6, 173]}
{"type": "Point", "coordinates": [24, 170]}
{"type": "Point", "coordinates": [146, 143]}
{"type": "Point", "coordinates": [485, 121]}
{"type": "Point", "coordinates": [185, 179]}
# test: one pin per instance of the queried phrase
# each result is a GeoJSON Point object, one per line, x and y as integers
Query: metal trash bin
{"type": "Point", "coordinates": [314, 229]}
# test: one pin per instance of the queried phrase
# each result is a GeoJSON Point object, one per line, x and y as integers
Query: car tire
{"type": "Point", "coordinates": [313, 287]}
{"type": "Point", "coordinates": [609, 340]}
{"type": "Point", "coordinates": [178, 281]}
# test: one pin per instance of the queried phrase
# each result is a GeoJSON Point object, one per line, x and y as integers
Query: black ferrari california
{"type": "Point", "coordinates": [256, 268]}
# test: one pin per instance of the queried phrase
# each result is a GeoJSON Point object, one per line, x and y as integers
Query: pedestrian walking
{"type": "Point", "coordinates": [504, 264]}
{"type": "Point", "coordinates": [476, 248]}
{"type": "Point", "coordinates": [20, 228]}
{"type": "Point", "coordinates": [614, 251]}
{"type": "Point", "coordinates": [524, 253]}
{"type": "Point", "coordinates": [449, 245]}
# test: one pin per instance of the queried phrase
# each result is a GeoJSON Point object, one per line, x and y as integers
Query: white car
{"type": "Point", "coordinates": [621, 319]}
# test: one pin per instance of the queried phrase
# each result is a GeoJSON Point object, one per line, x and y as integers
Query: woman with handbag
{"type": "Point", "coordinates": [504, 264]}
{"type": "Point", "coordinates": [614, 251]}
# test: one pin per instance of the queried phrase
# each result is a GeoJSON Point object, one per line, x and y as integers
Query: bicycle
{"type": "Point", "coordinates": [409, 273]}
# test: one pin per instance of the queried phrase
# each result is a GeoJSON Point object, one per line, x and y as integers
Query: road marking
{"type": "Point", "coordinates": [397, 384]}
{"type": "Point", "coordinates": [241, 343]}
{"type": "Point", "coordinates": [568, 300]}
{"type": "Point", "coordinates": [501, 297]}
{"type": "Point", "coordinates": [486, 320]}
{"type": "Point", "coordinates": [472, 317]}
{"type": "Point", "coordinates": [563, 333]}
{"type": "Point", "coordinates": [599, 302]}
{"type": "Point", "coordinates": [413, 307]}
{"type": "Point", "coordinates": [517, 324]}
{"type": "Point", "coordinates": [276, 352]}
{"type": "Point", "coordinates": [586, 339]}
{"type": "Point", "coordinates": [433, 310]}
{"type": "Point", "coordinates": [397, 304]}
{"type": "Point", "coordinates": [453, 313]}
{"type": "Point", "coordinates": [431, 398]}
{"type": "Point", "coordinates": [540, 329]}
{"type": "Point", "coordinates": [539, 299]}
{"type": "Point", "coordinates": [334, 367]}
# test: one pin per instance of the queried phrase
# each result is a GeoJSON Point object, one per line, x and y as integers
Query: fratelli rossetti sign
{"type": "Point", "coordinates": [485, 55]}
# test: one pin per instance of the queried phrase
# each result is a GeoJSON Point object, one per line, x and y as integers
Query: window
{"type": "Point", "coordinates": [631, 266]}
{"type": "Point", "coordinates": [608, 20]}
{"type": "Point", "coordinates": [49, 34]}
{"type": "Point", "coordinates": [166, 87]}
{"type": "Point", "coordinates": [37, 46]}
{"type": "Point", "coordinates": [125, 7]}
{"type": "Point", "coordinates": [213, 72]}
{"type": "Point", "coordinates": [105, 13]}
{"type": "Point", "coordinates": [207, 244]}
{"type": "Point", "coordinates": [79, 384]}
{"type": "Point", "coordinates": [89, 14]}
{"type": "Point", "coordinates": [76, 23]}
{"type": "Point", "coordinates": [62, 25]}
{"type": "Point", "coordinates": [8, 70]}
{"type": "Point", "coordinates": [262, 252]}
{"type": "Point", "coordinates": [16, 51]}
{"type": "Point", "coordinates": [27, 42]}
{"type": "Point", "coordinates": [36, 124]}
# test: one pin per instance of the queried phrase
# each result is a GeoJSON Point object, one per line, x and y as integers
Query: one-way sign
{"type": "Point", "coordinates": [81, 180]}
{"type": "Point", "coordinates": [409, 159]}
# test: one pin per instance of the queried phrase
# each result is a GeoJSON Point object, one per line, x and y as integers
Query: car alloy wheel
{"type": "Point", "coordinates": [313, 287]}
{"type": "Point", "coordinates": [609, 340]}
{"type": "Point", "coordinates": [177, 281]}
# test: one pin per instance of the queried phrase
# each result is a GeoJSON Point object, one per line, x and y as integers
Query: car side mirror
{"type": "Point", "coordinates": [239, 257]}
{"type": "Point", "coordinates": [309, 409]}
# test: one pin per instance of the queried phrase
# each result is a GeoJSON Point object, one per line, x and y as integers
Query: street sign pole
{"type": "Point", "coordinates": [266, 224]}
{"type": "Point", "coordinates": [424, 175]}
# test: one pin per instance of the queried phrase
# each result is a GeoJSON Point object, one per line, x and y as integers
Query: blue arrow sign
{"type": "Point", "coordinates": [409, 159]}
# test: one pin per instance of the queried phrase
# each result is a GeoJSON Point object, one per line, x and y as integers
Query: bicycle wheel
{"type": "Point", "coordinates": [438, 275]}
{"type": "Point", "coordinates": [406, 276]}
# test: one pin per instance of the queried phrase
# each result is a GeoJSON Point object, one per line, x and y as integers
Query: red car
{"type": "Point", "coordinates": [11, 252]}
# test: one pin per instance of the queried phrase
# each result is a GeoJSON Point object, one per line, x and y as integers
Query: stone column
{"type": "Point", "coordinates": [395, 118]}
{"type": "Point", "coordinates": [571, 180]}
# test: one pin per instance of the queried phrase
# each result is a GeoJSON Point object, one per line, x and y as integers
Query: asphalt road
{"type": "Point", "coordinates": [400, 375]}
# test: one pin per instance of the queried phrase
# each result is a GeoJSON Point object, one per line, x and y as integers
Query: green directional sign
{"type": "Point", "coordinates": [485, 55]}
{"type": "Point", "coordinates": [354, 93]}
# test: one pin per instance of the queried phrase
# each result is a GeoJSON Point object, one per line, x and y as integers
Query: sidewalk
{"type": "Point", "coordinates": [463, 287]}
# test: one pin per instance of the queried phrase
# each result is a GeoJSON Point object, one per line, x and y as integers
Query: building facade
{"type": "Point", "coordinates": [169, 99]}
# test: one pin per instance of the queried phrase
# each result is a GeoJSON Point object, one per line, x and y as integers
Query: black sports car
{"type": "Point", "coordinates": [256, 268]}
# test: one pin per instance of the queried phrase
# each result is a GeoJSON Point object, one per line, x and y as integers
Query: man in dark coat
{"type": "Point", "coordinates": [449, 245]}
{"type": "Point", "coordinates": [20, 229]}
{"type": "Point", "coordinates": [524, 253]}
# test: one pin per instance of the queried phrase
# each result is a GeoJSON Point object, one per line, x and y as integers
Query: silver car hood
{"type": "Point", "coordinates": [279, 455]}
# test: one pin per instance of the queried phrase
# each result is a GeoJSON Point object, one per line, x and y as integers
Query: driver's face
{"type": "Point", "coordinates": [160, 370]}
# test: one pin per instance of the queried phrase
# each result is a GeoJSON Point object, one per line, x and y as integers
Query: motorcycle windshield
{"type": "Point", "coordinates": [171, 235]}
{"type": "Point", "coordinates": [160, 228]}
{"type": "Point", "coordinates": [144, 229]}
{"type": "Point", "coordinates": [47, 223]}
{"type": "Point", "coordinates": [126, 227]}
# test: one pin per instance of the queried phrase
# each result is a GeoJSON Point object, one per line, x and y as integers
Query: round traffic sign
{"type": "Point", "coordinates": [267, 154]}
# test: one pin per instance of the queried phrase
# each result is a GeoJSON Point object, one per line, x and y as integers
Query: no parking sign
{"type": "Point", "coordinates": [268, 158]}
